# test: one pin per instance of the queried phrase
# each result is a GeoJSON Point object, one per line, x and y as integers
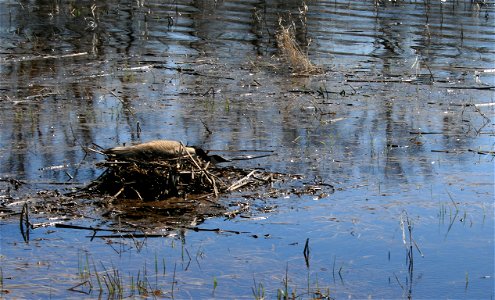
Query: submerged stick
{"type": "Point", "coordinates": [69, 226]}
{"type": "Point", "coordinates": [41, 57]}
{"type": "Point", "coordinates": [306, 253]}
{"type": "Point", "coordinates": [248, 157]}
{"type": "Point", "coordinates": [151, 235]}
{"type": "Point", "coordinates": [24, 223]}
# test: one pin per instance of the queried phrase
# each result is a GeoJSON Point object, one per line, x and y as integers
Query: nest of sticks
{"type": "Point", "coordinates": [176, 177]}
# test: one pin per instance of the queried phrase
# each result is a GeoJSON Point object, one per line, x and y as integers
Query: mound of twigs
{"type": "Point", "coordinates": [162, 179]}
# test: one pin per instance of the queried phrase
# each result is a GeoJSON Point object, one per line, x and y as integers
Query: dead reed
{"type": "Point", "coordinates": [292, 52]}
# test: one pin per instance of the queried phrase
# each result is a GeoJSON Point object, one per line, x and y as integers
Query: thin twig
{"type": "Point", "coordinates": [306, 252]}
{"type": "Point", "coordinates": [241, 182]}
{"type": "Point", "coordinates": [206, 127]}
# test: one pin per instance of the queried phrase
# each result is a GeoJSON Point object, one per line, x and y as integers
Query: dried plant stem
{"type": "Point", "coordinates": [292, 52]}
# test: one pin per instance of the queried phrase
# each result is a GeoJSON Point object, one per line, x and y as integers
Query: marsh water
{"type": "Point", "coordinates": [399, 122]}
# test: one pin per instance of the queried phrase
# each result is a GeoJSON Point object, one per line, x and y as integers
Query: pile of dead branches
{"type": "Point", "coordinates": [162, 179]}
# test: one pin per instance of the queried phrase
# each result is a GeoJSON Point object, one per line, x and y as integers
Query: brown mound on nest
{"type": "Point", "coordinates": [165, 178]}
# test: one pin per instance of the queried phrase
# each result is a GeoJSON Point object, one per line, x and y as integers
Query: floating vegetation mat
{"type": "Point", "coordinates": [152, 196]}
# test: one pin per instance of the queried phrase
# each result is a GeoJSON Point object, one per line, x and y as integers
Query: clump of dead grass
{"type": "Point", "coordinates": [292, 52]}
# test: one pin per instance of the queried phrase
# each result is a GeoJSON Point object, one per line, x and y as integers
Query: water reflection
{"type": "Point", "coordinates": [401, 80]}
{"type": "Point", "coordinates": [86, 73]}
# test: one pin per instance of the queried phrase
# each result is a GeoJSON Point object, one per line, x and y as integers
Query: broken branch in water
{"type": "Point", "coordinates": [24, 224]}
{"type": "Point", "coordinates": [206, 127]}
{"type": "Point", "coordinates": [482, 152]}
{"type": "Point", "coordinates": [241, 182]}
{"type": "Point", "coordinates": [458, 151]}
{"type": "Point", "coordinates": [41, 57]}
{"type": "Point", "coordinates": [145, 235]}
{"type": "Point", "coordinates": [134, 234]}
{"type": "Point", "coordinates": [248, 157]}
{"type": "Point", "coordinates": [487, 87]}
{"type": "Point", "coordinates": [306, 252]}
{"type": "Point", "coordinates": [69, 226]}
{"type": "Point", "coordinates": [425, 132]}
